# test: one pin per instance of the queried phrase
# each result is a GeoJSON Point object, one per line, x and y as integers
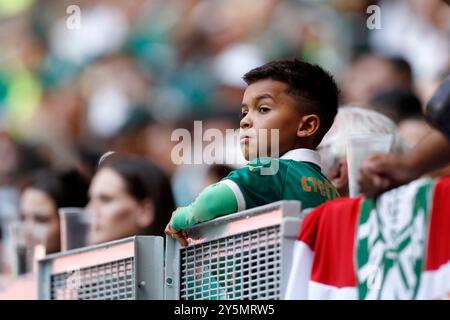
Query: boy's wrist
{"type": "Point", "coordinates": [176, 222]}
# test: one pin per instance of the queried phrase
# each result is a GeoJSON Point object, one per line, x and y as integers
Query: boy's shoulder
{"type": "Point", "coordinates": [267, 162]}
{"type": "Point", "coordinates": [272, 166]}
{"type": "Point", "coordinates": [297, 161]}
{"type": "Point", "coordinates": [258, 164]}
{"type": "Point", "coordinates": [263, 162]}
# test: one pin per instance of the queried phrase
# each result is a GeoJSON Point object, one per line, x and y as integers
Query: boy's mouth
{"type": "Point", "coordinates": [245, 137]}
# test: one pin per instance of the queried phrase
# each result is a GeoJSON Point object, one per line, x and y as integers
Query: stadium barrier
{"type": "Point", "coordinates": [127, 269]}
{"type": "Point", "coordinates": [246, 255]}
{"type": "Point", "coordinates": [243, 256]}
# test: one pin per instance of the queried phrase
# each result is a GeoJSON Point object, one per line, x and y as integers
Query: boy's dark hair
{"type": "Point", "coordinates": [313, 88]}
{"type": "Point", "coordinates": [397, 104]}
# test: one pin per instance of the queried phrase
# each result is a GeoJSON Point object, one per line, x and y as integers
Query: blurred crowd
{"type": "Point", "coordinates": [136, 70]}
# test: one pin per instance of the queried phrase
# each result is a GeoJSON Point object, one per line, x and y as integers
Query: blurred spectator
{"type": "Point", "coordinates": [405, 109]}
{"type": "Point", "coordinates": [9, 195]}
{"type": "Point", "coordinates": [413, 130]}
{"type": "Point", "coordinates": [397, 104]}
{"type": "Point", "coordinates": [418, 31]}
{"type": "Point", "coordinates": [44, 193]}
{"type": "Point", "coordinates": [333, 148]}
{"type": "Point", "coordinates": [132, 137]}
{"type": "Point", "coordinates": [369, 74]}
{"type": "Point", "coordinates": [129, 196]}
{"type": "Point", "coordinates": [157, 144]}
{"type": "Point", "coordinates": [108, 98]}
{"type": "Point", "coordinates": [39, 203]}
{"type": "Point", "coordinates": [17, 163]}
{"type": "Point", "coordinates": [9, 154]}
{"type": "Point", "coordinates": [381, 172]}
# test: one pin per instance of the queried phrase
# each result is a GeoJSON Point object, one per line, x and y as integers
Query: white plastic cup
{"type": "Point", "coordinates": [75, 226]}
{"type": "Point", "coordinates": [359, 146]}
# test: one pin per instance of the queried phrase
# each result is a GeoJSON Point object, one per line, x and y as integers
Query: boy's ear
{"type": "Point", "coordinates": [308, 125]}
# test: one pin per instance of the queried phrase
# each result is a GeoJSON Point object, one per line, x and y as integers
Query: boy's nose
{"type": "Point", "coordinates": [246, 122]}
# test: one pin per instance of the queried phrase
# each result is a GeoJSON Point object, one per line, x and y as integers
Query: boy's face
{"type": "Point", "coordinates": [267, 105]}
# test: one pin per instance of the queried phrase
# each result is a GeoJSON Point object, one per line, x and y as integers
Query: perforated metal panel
{"type": "Point", "coordinates": [244, 256]}
{"type": "Point", "coordinates": [127, 269]}
{"type": "Point", "coordinates": [243, 266]}
{"type": "Point", "coordinates": [109, 281]}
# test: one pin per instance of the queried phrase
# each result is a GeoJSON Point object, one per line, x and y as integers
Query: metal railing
{"type": "Point", "coordinates": [242, 256]}
{"type": "Point", "coordinates": [246, 255]}
{"type": "Point", "coordinates": [127, 269]}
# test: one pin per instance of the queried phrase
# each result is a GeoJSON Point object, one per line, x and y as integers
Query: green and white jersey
{"type": "Point", "coordinates": [295, 176]}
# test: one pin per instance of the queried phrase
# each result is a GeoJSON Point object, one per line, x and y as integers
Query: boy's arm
{"type": "Point", "coordinates": [215, 200]}
{"type": "Point", "coordinates": [234, 193]}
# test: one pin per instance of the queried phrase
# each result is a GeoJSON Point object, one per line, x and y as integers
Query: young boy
{"type": "Point", "coordinates": [301, 101]}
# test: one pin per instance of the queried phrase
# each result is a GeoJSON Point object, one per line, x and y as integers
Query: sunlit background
{"type": "Point", "coordinates": [136, 70]}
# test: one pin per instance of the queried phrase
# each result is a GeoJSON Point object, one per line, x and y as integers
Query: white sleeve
{"type": "Point", "coordinates": [237, 193]}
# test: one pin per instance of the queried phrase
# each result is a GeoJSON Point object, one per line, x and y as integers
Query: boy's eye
{"type": "Point", "coordinates": [243, 114]}
{"type": "Point", "coordinates": [263, 109]}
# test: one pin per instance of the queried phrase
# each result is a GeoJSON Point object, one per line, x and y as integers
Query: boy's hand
{"type": "Point", "coordinates": [381, 172]}
{"type": "Point", "coordinates": [215, 200]}
{"type": "Point", "coordinates": [177, 235]}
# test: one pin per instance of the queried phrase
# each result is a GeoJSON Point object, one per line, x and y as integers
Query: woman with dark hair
{"type": "Point", "coordinates": [45, 191]}
{"type": "Point", "coordinates": [128, 197]}
{"type": "Point", "coordinates": [44, 194]}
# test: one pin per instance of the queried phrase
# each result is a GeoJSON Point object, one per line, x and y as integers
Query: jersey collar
{"type": "Point", "coordinates": [302, 154]}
